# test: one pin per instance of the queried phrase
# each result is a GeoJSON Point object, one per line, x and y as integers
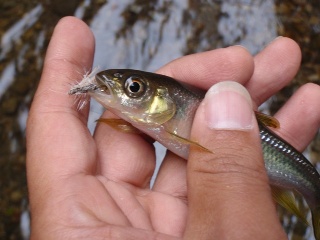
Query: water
{"type": "Point", "coordinates": [134, 34]}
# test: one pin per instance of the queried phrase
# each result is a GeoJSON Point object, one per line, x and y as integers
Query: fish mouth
{"type": "Point", "coordinates": [104, 84]}
{"type": "Point", "coordinates": [97, 84]}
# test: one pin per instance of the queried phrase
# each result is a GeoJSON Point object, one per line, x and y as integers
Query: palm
{"type": "Point", "coordinates": [103, 196]}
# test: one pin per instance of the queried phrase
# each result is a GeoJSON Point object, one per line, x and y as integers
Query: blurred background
{"type": "Point", "coordinates": [139, 34]}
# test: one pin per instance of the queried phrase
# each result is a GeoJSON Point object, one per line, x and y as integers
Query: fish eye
{"type": "Point", "coordinates": [134, 86]}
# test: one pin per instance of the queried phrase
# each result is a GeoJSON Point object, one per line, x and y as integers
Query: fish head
{"type": "Point", "coordinates": [134, 95]}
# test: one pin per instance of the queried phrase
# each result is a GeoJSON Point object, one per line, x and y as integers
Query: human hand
{"type": "Point", "coordinates": [98, 187]}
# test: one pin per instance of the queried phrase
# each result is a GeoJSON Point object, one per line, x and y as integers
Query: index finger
{"type": "Point", "coordinates": [207, 68]}
{"type": "Point", "coordinates": [263, 75]}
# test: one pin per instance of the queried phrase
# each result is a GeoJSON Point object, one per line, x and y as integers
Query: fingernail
{"type": "Point", "coordinates": [228, 106]}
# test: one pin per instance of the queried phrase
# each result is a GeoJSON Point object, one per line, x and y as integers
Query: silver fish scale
{"type": "Point", "coordinates": [297, 172]}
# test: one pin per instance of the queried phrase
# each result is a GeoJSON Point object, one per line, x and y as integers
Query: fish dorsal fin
{"type": "Point", "coordinates": [287, 200]}
{"type": "Point", "coordinates": [188, 141]}
{"type": "Point", "coordinates": [119, 125]}
{"type": "Point", "coordinates": [161, 109]}
{"type": "Point", "coordinates": [267, 120]}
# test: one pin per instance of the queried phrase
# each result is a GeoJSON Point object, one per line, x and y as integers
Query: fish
{"type": "Point", "coordinates": [164, 109]}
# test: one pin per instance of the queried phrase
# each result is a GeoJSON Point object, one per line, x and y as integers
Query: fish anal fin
{"type": "Point", "coordinates": [286, 199]}
{"type": "Point", "coordinates": [119, 125]}
{"type": "Point", "coordinates": [267, 120]}
{"type": "Point", "coordinates": [190, 142]}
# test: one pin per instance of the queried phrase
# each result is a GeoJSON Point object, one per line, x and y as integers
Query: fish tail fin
{"type": "Point", "coordinates": [316, 221]}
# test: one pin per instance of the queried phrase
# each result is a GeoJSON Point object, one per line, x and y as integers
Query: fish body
{"type": "Point", "coordinates": [164, 109]}
{"type": "Point", "coordinates": [288, 168]}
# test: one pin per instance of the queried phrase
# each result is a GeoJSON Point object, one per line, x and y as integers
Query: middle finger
{"type": "Point", "coordinates": [275, 67]}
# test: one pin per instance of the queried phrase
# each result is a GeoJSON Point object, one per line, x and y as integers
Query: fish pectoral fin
{"type": "Point", "coordinates": [188, 141]}
{"type": "Point", "coordinates": [119, 125]}
{"type": "Point", "coordinates": [287, 200]}
{"type": "Point", "coordinates": [267, 120]}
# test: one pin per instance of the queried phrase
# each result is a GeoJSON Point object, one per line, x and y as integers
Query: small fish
{"type": "Point", "coordinates": [164, 109]}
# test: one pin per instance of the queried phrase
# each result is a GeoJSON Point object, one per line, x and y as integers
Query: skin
{"type": "Point", "coordinates": [84, 187]}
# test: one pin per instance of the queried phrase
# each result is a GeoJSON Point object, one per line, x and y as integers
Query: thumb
{"type": "Point", "coordinates": [228, 192]}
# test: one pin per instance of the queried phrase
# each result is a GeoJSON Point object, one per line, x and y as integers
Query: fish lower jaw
{"type": "Point", "coordinates": [106, 100]}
